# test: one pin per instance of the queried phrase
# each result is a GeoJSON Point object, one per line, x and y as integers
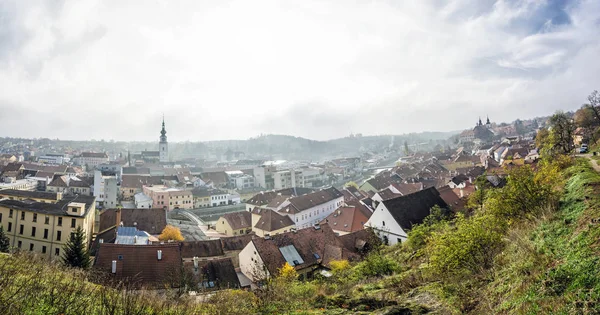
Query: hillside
{"type": "Point", "coordinates": [528, 248]}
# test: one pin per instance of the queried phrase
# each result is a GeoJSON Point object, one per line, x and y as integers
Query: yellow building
{"type": "Point", "coordinates": [235, 223]}
{"type": "Point", "coordinates": [44, 226]}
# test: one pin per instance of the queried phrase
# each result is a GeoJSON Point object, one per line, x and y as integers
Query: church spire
{"type": "Point", "coordinates": [163, 132]}
{"type": "Point", "coordinates": [488, 121]}
{"type": "Point", "coordinates": [480, 124]}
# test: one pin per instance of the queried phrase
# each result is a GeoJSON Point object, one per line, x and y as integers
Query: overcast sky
{"type": "Point", "coordinates": [317, 69]}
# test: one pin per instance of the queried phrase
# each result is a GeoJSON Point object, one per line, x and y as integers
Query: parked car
{"type": "Point", "coordinates": [583, 149]}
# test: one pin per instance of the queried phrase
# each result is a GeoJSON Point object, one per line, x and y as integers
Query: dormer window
{"type": "Point", "coordinates": [74, 210]}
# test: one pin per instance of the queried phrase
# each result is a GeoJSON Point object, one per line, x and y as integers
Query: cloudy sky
{"type": "Point", "coordinates": [318, 69]}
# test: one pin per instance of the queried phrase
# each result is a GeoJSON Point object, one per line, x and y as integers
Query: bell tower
{"type": "Point", "coordinates": [163, 145]}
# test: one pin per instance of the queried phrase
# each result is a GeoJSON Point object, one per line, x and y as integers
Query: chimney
{"type": "Point", "coordinates": [134, 239]}
{"type": "Point", "coordinates": [114, 266]}
{"type": "Point", "coordinates": [159, 254]}
{"type": "Point", "coordinates": [195, 263]}
{"type": "Point", "coordinates": [462, 193]}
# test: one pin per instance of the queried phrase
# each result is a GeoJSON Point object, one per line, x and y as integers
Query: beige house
{"type": "Point", "coordinates": [70, 185]}
{"type": "Point", "coordinates": [169, 198]}
{"type": "Point", "coordinates": [236, 223]}
{"type": "Point", "coordinates": [201, 198]}
{"type": "Point", "coordinates": [266, 222]}
{"type": "Point", "coordinates": [45, 227]}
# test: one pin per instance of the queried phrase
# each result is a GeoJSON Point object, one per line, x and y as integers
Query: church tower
{"type": "Point", "coordinates": [163, 145]}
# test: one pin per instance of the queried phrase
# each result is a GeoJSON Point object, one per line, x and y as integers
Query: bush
{"type": "Point", "coordinates": [376, 265]}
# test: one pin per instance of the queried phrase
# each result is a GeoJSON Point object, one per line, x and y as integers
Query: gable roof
{"type": "Point", "coordinates": [238, 220]}
{"type": "Point", "coordinates": [139, 264]}
{"type": "Point", "coordinates": [387, 194]}
{"type": "Point", "coordinates": [206, 248]}
{"type": "Point", "coordinates": [413, 208]}
{"type": "Point", "coordinates": [347, 219]}
{"type": "Point", "coordinates": [313, 246]}
{"type": "Point", "coordinates": [273, 221]}
{"type": "Point", "coordinates": [152, 220]}
{"type": "Point", "coordinates": [307, 201]}
{"type": "Point", "coordinates": [407, 188]}
{"type": "Point", "coordinates": [217, 273]}
{"type": "Point", "coordinates": [451, 198]}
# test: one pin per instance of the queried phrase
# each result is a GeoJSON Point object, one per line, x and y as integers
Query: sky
{"type": "Point", "coordinates": [316, 69]}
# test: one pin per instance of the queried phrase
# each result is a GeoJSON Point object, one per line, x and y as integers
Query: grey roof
{"type": "Point", "coordinates": [59, 208]}
{"type": "Point", "coordinates": [132, 236]}
{"type": "Point", "coordinates": [291, 255]}
{"type": "Point", "coordinates": [29, 194]}
{"type": "Point", "coordinates": [413, 208]}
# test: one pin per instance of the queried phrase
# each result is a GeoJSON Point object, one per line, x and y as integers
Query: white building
{"type": "Point", "coordinates": [90, 159]}
{"type": "Point", "coordinates": [105, 190]}
{"type": "Point", "coordinates": [20, 184]}
{"type": "Point", "coordinates": [219, 198]}
{"type": "Point", "coordinates": [142, 201]}
{"type": "Point", "coordinates": [310, 209]}
{"type": "Point", "coordinates": [53, 159]}
{"type": "Point", "coordinates": [393, 218]}
{"type": "Point", "coordinates": [240, 180]}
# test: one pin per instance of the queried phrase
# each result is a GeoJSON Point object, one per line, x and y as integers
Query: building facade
{"type": "Point", "coordinates": [44, 227]}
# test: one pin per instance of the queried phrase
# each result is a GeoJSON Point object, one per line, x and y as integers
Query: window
{"type": "Point", "coordinates": [45, 234]}
{"type": "Point", "coordinates": [47, 220]}
{"type": "Point", "coordinates": [58, 235]}
{"type": "Point", "coordinates": [0, 217]}
{"type": "Point", "coordinates": [30, 247]}
{"type": "Point", "coordinates": [9, 226]}
{"type": "Point", "coordinates": [383, 223]}
{"type": "Point", "coordinates": [35, 217]}
{"type": "Point", "coordinates": [73, 222]}
{"type": "Point", "coordinates": [59, 221]}
{"type": "Point", "coordinates": [21, 228]}
{"type": "Point", "coordinates": [57, 251]}
{"type": "Point", "coordinates": [10, 213]}
{"type": "Point", "coordinates": [22, 215]}
{"type": "Point", "coordinates": [74, 210]}
{"type": "Point", "coordinates": [33, 231]}
{"type": "Point", "coordinates": [19, 244]}
{"type": "Point", "coordinates": [43, 249]}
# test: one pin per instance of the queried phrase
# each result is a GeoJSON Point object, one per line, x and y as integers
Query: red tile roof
{"type": "Point", "coordinates": [139, 264]}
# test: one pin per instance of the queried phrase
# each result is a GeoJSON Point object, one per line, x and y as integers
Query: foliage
{"type": "Point", "coordinates": [561, 135]}
{"type": "Point", "coordinates": [467, 248]}
{"type": "Point", "coordinates": [234, 302]}
{"type": "Point", "coordinates": [287, 273]}
{"type": "Point", "coordinates": [170, 233]}
{"type": "Point", "coordinates": [351, 184]}
{"type": "Point", "coordinates": [75, 252]}
{"type": "Point", "coordinates": [4, 241]}
{"type": "Point", "coordinates": [376, 265]}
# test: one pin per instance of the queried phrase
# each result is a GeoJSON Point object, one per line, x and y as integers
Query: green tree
{"type": "Point", "coordinates": [351, 183]}
{"type": "Point", "coordinates": [75, 251]}
{"type": "Point", "coordinates": [4, 241]}
{"type": "Point", "coordinates": [560, 139]}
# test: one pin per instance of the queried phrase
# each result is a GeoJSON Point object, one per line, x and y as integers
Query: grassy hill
{"type": "Point", "coordinates": [531, 247]}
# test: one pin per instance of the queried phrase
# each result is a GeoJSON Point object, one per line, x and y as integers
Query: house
{"type": "Point", "coordinates": [106, 189]}
{"type": "Point", "coordinates": [152, 221]}
{"type": "Point", "coordinates": [393, 218]}
{"type": "Point", "coordinates": [235, 223]}
{"type": "Point", "coordinates": [132, 184]}
{"type": "Point", "coordinates": [142, 201]}
{"type": "Point", "coordinates": [201, 197]}
{"type": "Point", "coordinates": [12, 172]}
{"type": "Point", "coordinates": [267, 222]}
{"type": "Point", "coordinates": [348, 219]}
{"type": "Point", "coordinates": [310, 209]}
{"type": "Point", "coordinates": [218, 197]}
{"type": "Point", "coordinates": [213, 275]}
{"type": "Point", "coordinates": [308, 251]}
{"type": "Point", "coordinates": [68, 184]}
{"type": "Point", "coordinates": [133, 236]}
{"type": "Point", "coordinates": [207, 250]}
{"type": "Point", "coordinates": [459, 181]}
{"type": "Point", "coordinates": [264, 198]}
{"type": "Point", "coordinates": [148, 266]}
{"type": "Point", "coordinates": [90, 159]}
{"type": "Point", "coordinates": [169, 198]}
{"type": "Point", "coordinates": [452, 199]}
{"type": "Point", "coordinates": [43, 223]}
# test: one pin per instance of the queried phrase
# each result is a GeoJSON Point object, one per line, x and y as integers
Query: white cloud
{"type": "Point", "coordinates": [318, 69]}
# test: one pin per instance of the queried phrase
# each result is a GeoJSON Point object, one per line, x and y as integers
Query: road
{"type": "Point", "coordinates": [593, 161]}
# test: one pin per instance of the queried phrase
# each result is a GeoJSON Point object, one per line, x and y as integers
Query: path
{"type": "Point", "coordinates": [593, 162]}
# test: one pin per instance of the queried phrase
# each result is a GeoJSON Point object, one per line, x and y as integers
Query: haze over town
{"type": "Point", "coordinates": [315, 69]}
